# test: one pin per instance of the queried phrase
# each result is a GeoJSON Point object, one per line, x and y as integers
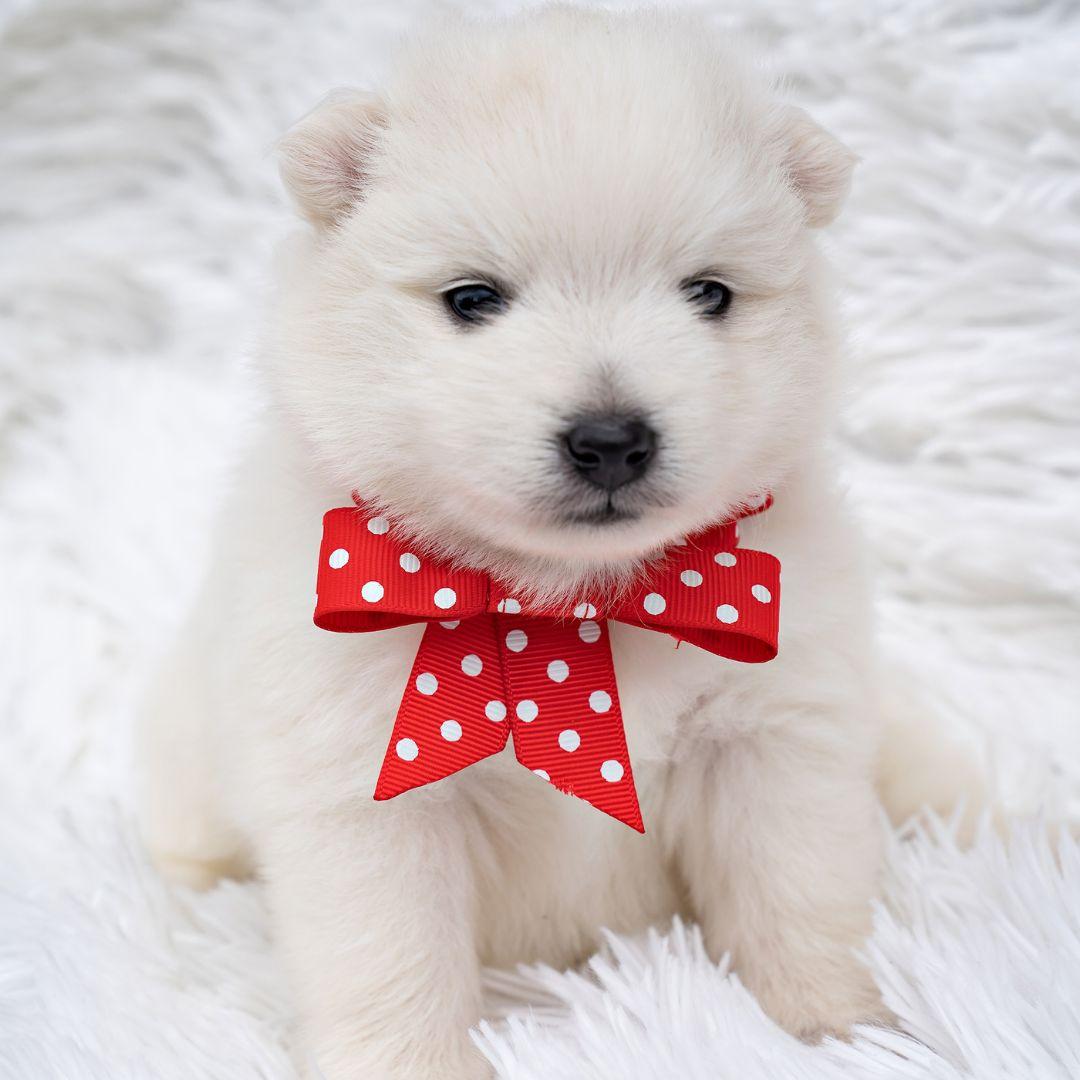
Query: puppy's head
{"type": "Point", "coordinates": [560, 302]}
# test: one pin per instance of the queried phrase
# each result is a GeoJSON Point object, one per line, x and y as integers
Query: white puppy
{"type": "Point", "coordinates": [564, 219]}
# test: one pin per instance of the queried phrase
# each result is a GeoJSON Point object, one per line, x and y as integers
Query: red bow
{"type": "Point", "coordinates": [489, 663]}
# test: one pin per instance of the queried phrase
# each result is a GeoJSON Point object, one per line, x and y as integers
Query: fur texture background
{"type": "Point", "coordinates": [138, 208]}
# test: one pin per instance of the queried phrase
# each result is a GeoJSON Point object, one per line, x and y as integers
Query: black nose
{"type": "Point", "coordinates": [610, 451]}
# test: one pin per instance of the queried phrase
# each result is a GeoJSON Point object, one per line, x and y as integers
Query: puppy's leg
{"type": "Point", "coordinates": [782, 853]}
{"type": "Point", "coordinates": [179, 809]}
{"type": "Point", "coordinates": [374, 912]}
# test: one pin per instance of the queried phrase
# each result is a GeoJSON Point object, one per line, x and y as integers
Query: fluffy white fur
{"type": "Point", "coordinates": [135, 203]}
{"type": "Point", "coordinates": [590, 164]}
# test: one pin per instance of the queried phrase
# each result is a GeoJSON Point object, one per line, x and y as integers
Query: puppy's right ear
{"type": "Point", "coordinates": [326, 156]}
{"type": "Point", "coordinates": [819, 166]}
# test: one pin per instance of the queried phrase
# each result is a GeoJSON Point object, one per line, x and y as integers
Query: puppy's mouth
{"type": "Point", "coordinates": [589, 509]}
{"type": "Point", "coordinates": [607, 514]}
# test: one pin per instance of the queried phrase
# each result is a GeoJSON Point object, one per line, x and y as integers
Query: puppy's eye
{"type": "Point", "coordinates": [712, 297]}
{"type": "Point", "coordinates": [474, 303]}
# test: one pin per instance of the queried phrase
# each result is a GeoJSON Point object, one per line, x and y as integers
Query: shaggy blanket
{"type": "Point", "coordinates": [138, 209]}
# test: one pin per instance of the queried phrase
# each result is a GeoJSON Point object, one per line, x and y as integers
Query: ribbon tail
{"type": "Point", "coordinates": [607, 783]}
{"type": "Point", "coordinates": [571, 735]}
{"type": "Point", "coordinates": [452, 713]}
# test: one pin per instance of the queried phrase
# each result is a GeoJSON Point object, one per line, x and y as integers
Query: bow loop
{"type": "Point", "coordinates": [370, 579]}
{"type": "Point", "coordinates": [715, 595]}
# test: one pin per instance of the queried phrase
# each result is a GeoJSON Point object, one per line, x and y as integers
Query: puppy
{"type": "Point", "coordinates": [568, 218]}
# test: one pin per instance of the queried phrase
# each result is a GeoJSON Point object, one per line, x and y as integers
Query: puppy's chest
{"type": "Point", "coordinates": [667, 690]}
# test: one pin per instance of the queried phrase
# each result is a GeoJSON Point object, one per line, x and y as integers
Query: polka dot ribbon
{"type": "Point", "coordinates": [490, 663]}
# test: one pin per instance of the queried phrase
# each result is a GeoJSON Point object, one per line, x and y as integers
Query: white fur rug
{"type": "Point", "coordinates": [138, 207]}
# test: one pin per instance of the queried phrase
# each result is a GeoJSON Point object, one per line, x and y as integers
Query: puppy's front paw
{"type": "Point", "coordinates": [815, 1004]}
{"type": "Point", "coordinates": [482, 1071]}
{"type": "Point", "coordinates": [194, 873]}
{"type": "Point", "coordinates": [460, 1062]}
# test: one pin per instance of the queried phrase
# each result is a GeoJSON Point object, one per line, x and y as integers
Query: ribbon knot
{"type": "Point", "coordinates": [491, 663]}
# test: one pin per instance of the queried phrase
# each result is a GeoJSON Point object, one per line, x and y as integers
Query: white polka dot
{"type": "Point", "coordinates": [409, 563]}
{"type": "Point", "coordinates": [569, 740]}
{"type": "Point", "coordinates": [472, 664]}
{"type": "Point", "coordinates": [691, 578]}
{"type": "Point", "coordinates": [406, 749]}
{"type": "Point", "coordinates": [450, 730]}
{"type": "Point", "coordinates": [542, 773]}
{"type": "Point", "coordinates": [426, 683]}
{"type": "Point", "coordinates": [611, 771]}
{"type": "Point", "coordinates": [654, 603]}
{"type": "Point", "coordinates": [452, 625]}
{"type": "Point", "coordinates": [509, 606]}
{"type": "Point", "coordinates": [527, 711]}
{"type": "Point", "coordinates": [589, 632]}
{"type": "Point", "coordinates": [495, 711]}
{"type": "Point", "coordinates": [726, 613]}
{"type": "Point", "coordinates": [725, 558]}
{"type": "Point", "coordinates": [599, 701]}
{"type": "Point", "coordinates": [378, 525]}
{"type": "Point", "coordinates": [759, 592]}
{"type": "Point", "coordinates": [445, 598]}
{"type": "Point", "coordinates": [558, 671]}
{"type": "Point", "coordinates": [372, 591]}
{"type": "Point", "coordinates": [584, 611]}
{"type": "Point", "coordinates": [338, 559]}
{"type": "Point", "coordinates": [516, 640]}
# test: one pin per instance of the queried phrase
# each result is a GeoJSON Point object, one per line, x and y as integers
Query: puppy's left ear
{"type": "Point", "coordinates": [818, 165]}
